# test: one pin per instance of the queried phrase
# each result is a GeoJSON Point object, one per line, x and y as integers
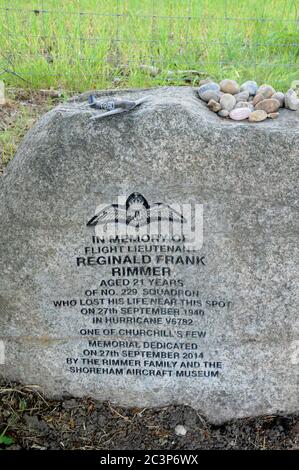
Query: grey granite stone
{"type": "Point", "coordinates": [238, 306]}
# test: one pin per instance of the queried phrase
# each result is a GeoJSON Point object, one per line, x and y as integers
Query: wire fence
{"type": "Point", "coordinates": [80, 44]}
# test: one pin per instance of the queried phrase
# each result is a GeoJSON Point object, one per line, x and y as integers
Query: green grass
{"type": "Point", "coordinates": [240, 39]}
{"type": "Point", "coordinates": [5, 440]}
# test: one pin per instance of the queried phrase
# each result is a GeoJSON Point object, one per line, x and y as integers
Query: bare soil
{"type": "Point", "coordinates": [21, 110]}
{"type": "Point", "coordinates": [31, 421]}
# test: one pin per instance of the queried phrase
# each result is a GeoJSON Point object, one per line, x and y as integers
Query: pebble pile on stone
{"type": "Point", "coordinates": [249, 101]}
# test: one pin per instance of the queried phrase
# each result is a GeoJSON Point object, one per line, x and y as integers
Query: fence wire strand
{"type": "Point", "coordinates": [41, 39]}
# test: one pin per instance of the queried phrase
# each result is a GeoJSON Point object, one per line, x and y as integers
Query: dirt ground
{"type": "Point", "coordinates": [22, 108]}
{"type": "Point", "coordinates": [28, 420]}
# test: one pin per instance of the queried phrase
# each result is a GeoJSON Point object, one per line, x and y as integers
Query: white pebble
{"type": "Point", "coordinates": [180, 430]}
{"type": "Point", "coordinates": [291, 101]}
{"type": "Point", "coordinates": [227, 101]}
{"type": "Point", "coordinates": [239, 114]}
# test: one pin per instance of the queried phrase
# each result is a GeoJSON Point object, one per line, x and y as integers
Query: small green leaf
{"type": "Point", "coordinates": [22, 405]}
{"type": "Point", "coordinates": [6, 440]}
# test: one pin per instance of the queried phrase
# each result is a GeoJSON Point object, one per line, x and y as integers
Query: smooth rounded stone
{"type": "Point", "coordinates": [227, 101]}
{"type": "Point", "coordinates": [204, 81]}
{"type": "Point", "coordinates": [249, 86]}
{"type": "Point", "coordinates": [240, 114]}
{"type": "Point", "coordinates": [211, 95]}
{"type": "Point", "coordinates": [242, 96]}
{"type": "Point", "coordinates": [280, 97]}
{"type": "Point", "coordinates": [214, 106]}
{"type": "Point", "coordinates": [290, 100]}
{"type": "Point", "coordinates": [229, 86]}
{"type": "Point", "coordinates": [273, 115]}
{"type": "Point", "coordinates": [257, 116]}
{"type": "Point", "coordinates": [295, 86]}
{"type": "Point", "coordinates": [259, 97]}
{"type": "Point", "coordinates": [242, 104]}
{"type": "Point", "coordinates": [223, 113]}
{"type": "Point", "coordinates": [266, 90]}
{"type": "Point", "coordinates": [270, 105]}
{"type": "Point", "coordinates": [208, 87]}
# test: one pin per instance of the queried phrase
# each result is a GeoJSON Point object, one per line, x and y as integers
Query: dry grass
{"type": "Point", "coordinates": [23, 108]}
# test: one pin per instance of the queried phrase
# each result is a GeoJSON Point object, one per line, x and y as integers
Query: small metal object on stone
{"type": "Point", "coordinates": [113, 106]}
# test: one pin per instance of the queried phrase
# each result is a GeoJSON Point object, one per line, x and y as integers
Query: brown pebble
{"type": "Point", "coordinates": [257, 116]}
{"type": "Point", "coordinates": [214, 106]}
{"type": "Point", "coordinates": [266, 90]}
{"type": "Point", "coordinates": [273, 115]}
{"type": "Point", "coordinates": [270, 105]}
{"type": "Point", "coordinates": [257, 99]}
{"type": "Point", "coordinates": [229, 86]}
